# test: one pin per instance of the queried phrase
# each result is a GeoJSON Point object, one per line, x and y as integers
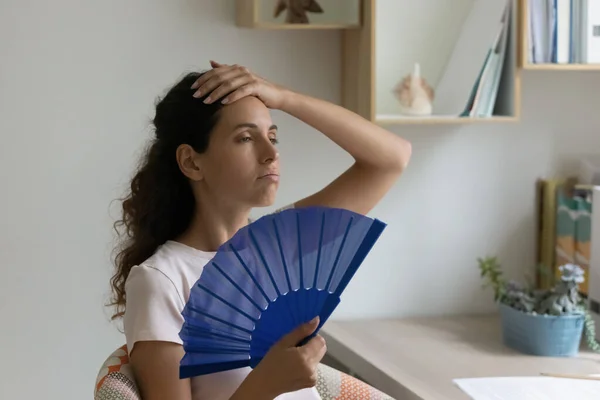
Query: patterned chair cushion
{"type": "Point", "coordinates": [336, 385]}
{"type": "Point", "coordinates": [115, 382]}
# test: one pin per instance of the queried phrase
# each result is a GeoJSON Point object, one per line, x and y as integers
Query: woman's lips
{"type": "Point", "coordinates": [271, 177]}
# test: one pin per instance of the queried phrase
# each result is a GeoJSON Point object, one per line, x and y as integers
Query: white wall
{"type": "Point", "coordinates": [77, 84]}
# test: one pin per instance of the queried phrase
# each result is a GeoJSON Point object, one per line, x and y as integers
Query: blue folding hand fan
{"type": "Point", "coordinates": [273, 275]}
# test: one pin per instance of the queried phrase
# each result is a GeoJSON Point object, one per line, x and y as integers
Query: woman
{"type": "Point", "coordinates": [213, 159]}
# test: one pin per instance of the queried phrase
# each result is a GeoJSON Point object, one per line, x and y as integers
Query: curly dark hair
{"type": "Point", "coordinates": [160, 203]}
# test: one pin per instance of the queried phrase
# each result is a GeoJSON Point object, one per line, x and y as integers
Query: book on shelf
{"type": "Point", "coordinates": [564, 229]}
{"type": "Point", "coordinates": [481, 64]}
{"type": "Point", "coordinates": [546, 237]}
{"type": "Point", "coordinates": [563, 31]}
{"type": "Point", "coordinates": [484, 98]}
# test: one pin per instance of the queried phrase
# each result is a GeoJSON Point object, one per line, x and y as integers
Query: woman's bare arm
{"type": "Point", "coordinates": [380, 156]}
{"type": "Point", "coordinates": [156, 369]}
{"type": "Point", "coordinates": [285, 368]}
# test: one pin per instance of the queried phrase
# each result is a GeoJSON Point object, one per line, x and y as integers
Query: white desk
{"type": "Point", "coordinates": [417, 359]}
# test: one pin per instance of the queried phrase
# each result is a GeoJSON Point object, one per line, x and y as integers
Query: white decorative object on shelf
{"type": "Point", "coordinates": [414, 94]}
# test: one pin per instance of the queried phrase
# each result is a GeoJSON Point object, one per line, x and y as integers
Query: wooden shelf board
{"type": "Point", "coordinates": [562, 67]}
{"type": "Point", "coordinates": [275, 26]}
{"type": "Point", "coordinates": [439, 119]}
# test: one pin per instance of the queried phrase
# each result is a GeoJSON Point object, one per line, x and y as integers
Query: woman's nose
{"type": "Point", "coordinates": [269, 153]}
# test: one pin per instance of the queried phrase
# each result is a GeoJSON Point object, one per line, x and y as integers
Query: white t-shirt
{"type": "Point", "coordinates": [157, 291]}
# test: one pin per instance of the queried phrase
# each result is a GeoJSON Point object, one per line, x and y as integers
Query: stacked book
{"type": "Point", "coordinates": [477, 79]}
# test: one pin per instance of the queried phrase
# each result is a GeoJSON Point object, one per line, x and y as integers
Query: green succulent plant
{"type": "Point", "coordinates": [562, 299]}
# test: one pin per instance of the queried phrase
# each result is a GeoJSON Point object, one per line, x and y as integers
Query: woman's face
{"type": "Point", "coordinates": [241, 164]}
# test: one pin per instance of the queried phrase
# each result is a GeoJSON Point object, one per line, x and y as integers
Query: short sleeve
{"type": "Point", "coordinates": [153, 308]}
{"type": "Point", "coordinates": [286, 207]}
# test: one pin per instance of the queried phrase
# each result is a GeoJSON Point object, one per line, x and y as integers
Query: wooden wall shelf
{"type": "Point", "coordinates": [365, 77]}
{"type": "Point", "coordinates": [272, 26]}
{"type": "Point", "coordinates": [376, 42]}
{"type": "Point", "coordinates": [259, 14]}
{"type": "Point", "coordinates": [439, 119]}
{"type": "Point", "coordinates": [561, 67]}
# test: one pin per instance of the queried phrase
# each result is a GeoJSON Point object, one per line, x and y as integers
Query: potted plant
{"type": "Point", "coordinates": [541, 322]}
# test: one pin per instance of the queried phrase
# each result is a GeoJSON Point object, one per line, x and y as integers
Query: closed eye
{"type": "Point", "coordinates": [247, 139]}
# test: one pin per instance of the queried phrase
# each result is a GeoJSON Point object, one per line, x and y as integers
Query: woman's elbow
{"type": "Point", "coordinates": [405, 153]}
{"type": "Point", "coordinates": [400, 156]}
{"type": "Point", "coordinates": [389, 157]}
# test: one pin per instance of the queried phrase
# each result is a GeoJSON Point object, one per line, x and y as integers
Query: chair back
{"type": "Point", "coordinates": [115, 379]}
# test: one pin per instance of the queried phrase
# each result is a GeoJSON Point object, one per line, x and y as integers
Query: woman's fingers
{"type": "Point", "coordinates": [229, 86]}
{"type": "Point", "coordinates": [249, 89]}
{"type": "Point", "coordinates": [232, 81]}
{"type": "Point", "coordinates": [222, 76]}
{"type": "Point", "coordinates": [315, 349]}
{"type": "Point", "coordinates": [217, 68]}
{"type": "Point", "coordinates": [206, 76]}
{"type": "Point", "coordinates": [213, 79]}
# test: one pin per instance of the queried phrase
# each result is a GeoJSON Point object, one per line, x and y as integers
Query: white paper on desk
{"type": "Point", "coordinates": [529, 388]}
